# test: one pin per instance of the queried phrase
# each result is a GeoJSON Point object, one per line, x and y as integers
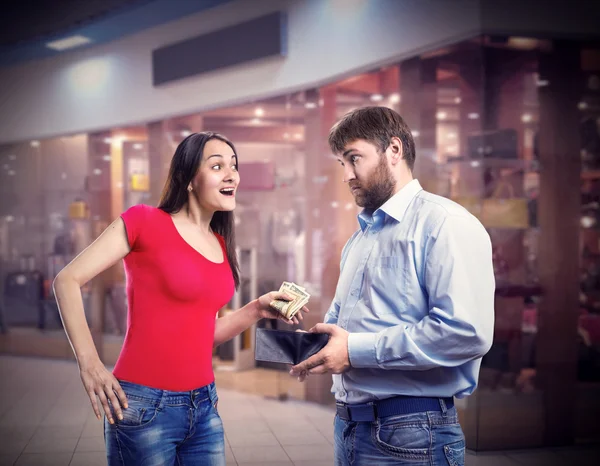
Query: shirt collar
{"type": "Point", "coordinates": [395, 207]}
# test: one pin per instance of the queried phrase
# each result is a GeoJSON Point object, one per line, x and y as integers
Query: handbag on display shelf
{"type": "Point", "coordinates": [78, 209]}
{"type": "Point", "coordinates": [510, 212]}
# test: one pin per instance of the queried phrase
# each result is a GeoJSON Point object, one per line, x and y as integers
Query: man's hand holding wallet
{"type": "Point", "coordinates": [333, 358]}
{"type": "Point", "coordinates": [324, 348]}
{"type": "Point", "coordinates": [287, 347]}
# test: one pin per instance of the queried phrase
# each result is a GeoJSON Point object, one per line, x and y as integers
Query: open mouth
{"type": "Point", "coordinates": [227, 191]}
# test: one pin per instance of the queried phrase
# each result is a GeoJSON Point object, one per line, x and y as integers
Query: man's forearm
{"type": "Point", "coordinates": [423, 346]}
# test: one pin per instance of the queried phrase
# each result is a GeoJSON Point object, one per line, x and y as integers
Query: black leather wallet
{"type": "Point", "coordinates": [287, 347]}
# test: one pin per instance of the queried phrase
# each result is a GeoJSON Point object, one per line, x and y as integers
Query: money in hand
{"type": "Point", "coordinates": [290, 308]}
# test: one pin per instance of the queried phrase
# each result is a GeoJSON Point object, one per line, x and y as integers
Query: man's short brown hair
{"type": "Point", "coordinates": [377, 125]}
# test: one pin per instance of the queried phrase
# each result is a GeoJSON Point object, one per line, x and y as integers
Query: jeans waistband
{"type": "Point", "coordinates": [395, 406]}
{"type": "Point", "coordinates": [159, 396]}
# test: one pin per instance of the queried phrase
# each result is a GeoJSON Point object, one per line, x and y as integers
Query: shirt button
{"type": "Point", "coordinates": [342, 393]}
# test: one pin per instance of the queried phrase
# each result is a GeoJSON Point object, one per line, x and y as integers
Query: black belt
{"type": "Point", "coordinates": [395, 406]}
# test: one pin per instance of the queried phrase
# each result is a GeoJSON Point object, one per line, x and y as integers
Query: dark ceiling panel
{"type": "Point", "coordinates": [28, 20]}
{"type": "Point", "coordinates": [26, 26]}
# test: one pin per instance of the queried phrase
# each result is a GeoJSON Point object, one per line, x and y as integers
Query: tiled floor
{"type": "Point", "coordinates": [45, 419]}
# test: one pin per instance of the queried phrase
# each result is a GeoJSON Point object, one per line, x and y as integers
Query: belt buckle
{"type": "Point", "coordinates": [343, 411]}
{"type": "Point", "coordinates": [374, 407]}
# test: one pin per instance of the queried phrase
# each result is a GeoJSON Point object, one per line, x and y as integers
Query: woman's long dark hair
{"type": "Point", "coordinates": [184, 166]}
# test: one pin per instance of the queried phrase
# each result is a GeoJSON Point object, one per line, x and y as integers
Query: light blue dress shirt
{"type": "Point", "coordinates": [416, 293]}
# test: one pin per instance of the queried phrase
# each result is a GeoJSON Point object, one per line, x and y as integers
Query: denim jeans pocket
{"type": "Point", "coordinates": [410, 441]}
{"type": "Point", "coordinates": [214, 397]}
{"type": "Point", "coordinates": [455, 453]}
{"type": "Point", "coordinates": [139, 413]}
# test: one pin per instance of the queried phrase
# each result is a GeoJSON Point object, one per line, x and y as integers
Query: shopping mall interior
{"type": "Point", "coordinates": [504, 107]}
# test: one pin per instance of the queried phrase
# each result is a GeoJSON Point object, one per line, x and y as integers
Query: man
{"type": "Point", "coordinates": [413, 310]}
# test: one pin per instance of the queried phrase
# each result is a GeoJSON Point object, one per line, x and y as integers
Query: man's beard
{"type": "Point", "coordinates": [378, 189]}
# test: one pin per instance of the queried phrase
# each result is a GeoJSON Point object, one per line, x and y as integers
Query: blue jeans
{"type": "Point", "coordinates": [166, 428]}
{"type": "Point", "coordinates": [413, 439]}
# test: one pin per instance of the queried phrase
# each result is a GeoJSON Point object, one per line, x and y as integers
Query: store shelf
{"type": "Point", "coordinates": [513, 290]}
{"type": "Point", "coordinates": [495, 162]}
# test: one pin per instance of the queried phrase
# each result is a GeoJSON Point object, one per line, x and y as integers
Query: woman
{"type": "Point", "coordinates": [160, 401]}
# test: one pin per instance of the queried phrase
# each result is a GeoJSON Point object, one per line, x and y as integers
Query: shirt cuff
{"type": "Point", "coordinates": [361, 349]}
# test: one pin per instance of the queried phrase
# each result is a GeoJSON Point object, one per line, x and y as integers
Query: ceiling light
{"type": "Point", "coordinates": [97, 171]}
{"type": "Point", "coordinates": [106, 158]}
{"type": "Point", "coordinates": [138, 146]}
{"type": "Point", "coordinates": [310, 105]}
{"type": "Point", "coordinates": [68, 43]}
{"type": "Point", "coordinates": [441, 115]}
{"type": "Point", "coordinates": [256, 121]}
{"type": "Point", "coordinates": [526, 118]}
{"type": "Point", "coordinates": [451, 135]}
{"type": "Point", "coordinates": [376, 97]}
{"type": "Point", "coordinates": [35, 143]}
{"type": "Point", "coordinates": [522, 43]}
{"type": "Point", "coordinates": [457, 100]}
{"type": "Point", "coordinates": [415, 133]}
{"type": "Point", "coordinates": [107, 140]}
{"type": "Point", "coordinates": [11, 173]}
{"type": "Point", "coordinates": [185, 133]}
{"type": "Point", "coordinates": [473, 116]}
{"type": "Point", "coordinates": [394, 98]}
{"type": "Point", "coordinates": [259, 112]}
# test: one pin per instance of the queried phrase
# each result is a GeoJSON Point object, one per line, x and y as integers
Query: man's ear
{"type": "Point", "coordinates": [395, 150]}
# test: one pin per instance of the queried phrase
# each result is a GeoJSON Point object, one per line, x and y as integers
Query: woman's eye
{"type": "Point", "coordinates": [234, 168]}
{"type": "Point", "coordinates": [216, 167]}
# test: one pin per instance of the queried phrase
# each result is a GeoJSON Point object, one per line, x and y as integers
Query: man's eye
{"type": "Point", "coordinates": [354, 158]}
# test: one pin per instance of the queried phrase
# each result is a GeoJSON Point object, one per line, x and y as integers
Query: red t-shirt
{"type": "Point", "coordinates": [173, 294]}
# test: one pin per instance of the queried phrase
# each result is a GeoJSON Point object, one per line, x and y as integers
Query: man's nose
{"type": "Point", "coordinates": [349, 174]}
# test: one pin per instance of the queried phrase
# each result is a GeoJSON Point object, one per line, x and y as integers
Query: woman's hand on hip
{"type": "Point", "coordinates": [99, 382]}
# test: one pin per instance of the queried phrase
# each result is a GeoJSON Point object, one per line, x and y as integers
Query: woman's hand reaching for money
{"type": "Point", "coordinates": [265, 311]}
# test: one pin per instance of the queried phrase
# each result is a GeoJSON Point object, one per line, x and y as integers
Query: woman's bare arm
{"type": "Point", "coordinates": [110, 247]}
{"type": "Point", "coordinates": [236, 322]}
